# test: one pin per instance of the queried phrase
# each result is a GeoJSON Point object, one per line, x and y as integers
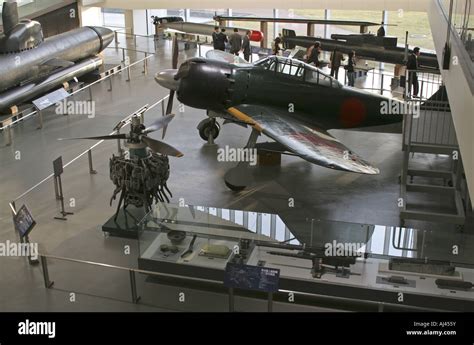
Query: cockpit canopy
{"type": "Point", "coordinates": [298, 69]}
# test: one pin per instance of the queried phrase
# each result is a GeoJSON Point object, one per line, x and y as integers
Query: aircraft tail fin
{"type": "Point", "coordinates": [9, 16]}
{"type": "Point", "coordinates": [288, 33]}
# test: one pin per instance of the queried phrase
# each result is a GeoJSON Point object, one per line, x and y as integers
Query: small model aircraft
{"type": "Point", "coordinates": [289, 101]}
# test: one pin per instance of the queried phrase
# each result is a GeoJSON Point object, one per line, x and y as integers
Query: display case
{"type": "Point", "coordinates": [370, 263]}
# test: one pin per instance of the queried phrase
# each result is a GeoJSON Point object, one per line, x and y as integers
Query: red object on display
{"type": "Point", "coordinates": [256, 36]}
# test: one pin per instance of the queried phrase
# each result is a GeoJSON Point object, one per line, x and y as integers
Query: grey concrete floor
{"type": "Point", "coordinates": [197, 177]}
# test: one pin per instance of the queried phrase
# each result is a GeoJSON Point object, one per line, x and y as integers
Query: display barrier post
{"type": "Point", "coordinates": [91, 167]}
{"type": "Point", "coordinates": [26, 241]}
{"type": "Point", "coordinates": [145, 64]}
{"type": "Point", "coordinates": [231, 300]}
{"type": "Point", "coordinates": [40, 119]}
{"type": "Point", "coordinates": [9, 136]}
{"type": "Point", "coordinates": [133, 285]}
{"type": "Point", "coordinates": [56, 189]}
{"type": "Point", "coordinates": [58, 170]}
{"type": "Point", "coordinates": [270, 302]}
{"type": "Point", "coordinates": [44, 264]}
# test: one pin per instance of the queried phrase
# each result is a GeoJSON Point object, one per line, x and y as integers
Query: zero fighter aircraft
{"type": "Point", "coordinates": [289, 101]}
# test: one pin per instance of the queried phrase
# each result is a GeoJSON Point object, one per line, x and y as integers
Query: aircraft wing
{"type": "Point", "coordinates": [313, 144]}
{"type": "Point", "coordinates": [225, 57]}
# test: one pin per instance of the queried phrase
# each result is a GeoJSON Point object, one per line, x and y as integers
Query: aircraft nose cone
{"type": "Point", "coordinates": [106, 34]}
{"type": "Point", "coordinates": [166, 79]}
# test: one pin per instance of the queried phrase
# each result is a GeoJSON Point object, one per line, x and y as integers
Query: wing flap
{"type": "Point", "coordinates": [313, 144]}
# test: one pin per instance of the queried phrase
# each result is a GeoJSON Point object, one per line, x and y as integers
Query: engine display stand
{"type": "Point", "coordinates": [126, 224]}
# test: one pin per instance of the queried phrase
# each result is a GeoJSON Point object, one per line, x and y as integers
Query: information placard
{"type": "Point", "coordinates": [252, 277]}
{"type": "Point", "coordinates": [24, 221]}
{"type": "Point", "coordinates": [58, 166]}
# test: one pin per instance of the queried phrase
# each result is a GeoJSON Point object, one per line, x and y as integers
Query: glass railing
{"type": "Point", "coordinates": [462, 21]}
{"type": "Point", "coordinates": [313, 256]}
{"type": "Point", "coordinates": [378, 241]}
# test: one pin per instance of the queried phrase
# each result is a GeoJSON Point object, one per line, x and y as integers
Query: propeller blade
{"type": "Point", "coordinates": [175, 53]}
{"type": "Point", "coordinates": [159, 124]}
{"type": "Point", "coordinates": [169, 109]}
{"type": "Point", "coordinates": [174, 63]}
{"type": "Point", "coordinates": [103, 137]}
{"type": "Point", "coordinates": [161, 147]}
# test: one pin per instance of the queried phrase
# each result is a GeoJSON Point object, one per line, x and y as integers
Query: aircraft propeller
{"type": "Point", "coordinates": [174, 63]}
{"type": "Point", "coordinates": [141, 137]}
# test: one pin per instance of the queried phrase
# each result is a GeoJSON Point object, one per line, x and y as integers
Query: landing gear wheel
{"type": "Point", "coordinates": [235, 188]}
{"type": "Point", "coordinates": [209, 128]}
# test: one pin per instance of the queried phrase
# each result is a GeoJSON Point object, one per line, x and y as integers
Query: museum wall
{"type": "Point", "coordinates": [460, 94]}
{"type": "Point", "coordinates": [54, 22]}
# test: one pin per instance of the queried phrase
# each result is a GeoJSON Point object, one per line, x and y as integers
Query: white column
{"type": "Point", "coordinates": [91, 16]}
{"type": "Point", "coordinates": [139, 22]}
{"type": "Point", "coordinates": [128, 14]}
{"type": "Point", "coordinates": [229, 14]}
{"type": "Point", "coordinates": [327, 15]}
{"type": "Point", "coordinates": [385, 21]}
{"type": "Point", "coordinates": [275, 25]}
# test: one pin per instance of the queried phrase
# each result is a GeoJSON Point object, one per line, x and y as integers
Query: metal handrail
{"type": "Point", "coordinates": [133, 35]}
{"type": "Point", "coordinates": [130, 49]}
{"type": "Point", "coordinates": [135, 298]}
{"type": "Point", "coordinates": [136, 270]}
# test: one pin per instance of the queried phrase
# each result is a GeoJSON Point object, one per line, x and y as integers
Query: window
{"type": "Point", "coordinates": [316, 76]}
{"type": "Point", "coordinates": [290, 67]}
{"type": "Point", "coordinates": [298, 69]}
{"type": "Point", "coordinates": [267, 63]}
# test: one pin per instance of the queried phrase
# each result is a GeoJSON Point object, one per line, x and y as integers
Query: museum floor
{"type": "Point", "coordinates": [197, 178]}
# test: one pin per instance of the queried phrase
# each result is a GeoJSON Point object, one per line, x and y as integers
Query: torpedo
{"type": "Point", "coordinates": [31, 65]}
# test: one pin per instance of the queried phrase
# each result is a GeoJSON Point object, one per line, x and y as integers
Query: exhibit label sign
{"type": "Point", "coordinates": [252, 277]}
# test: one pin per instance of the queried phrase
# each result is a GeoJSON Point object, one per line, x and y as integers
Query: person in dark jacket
{"type": "Point", "coordinates": [350, 69]}
{"type": "Point", "coordinates": [219, 39]}
{"type": "Point", "coordinates": [336, 59]}
{"type": "Point", "coordinates": [314, 55]}
{"type": "Point", "coordinates": [246, 46]}
{"type": "Point", "coordinates": [277, 45]}
{"type": "Point", "coordinates": [215, 35]}
{"type": "Point", "coordinates": [412, 67]}
{"type": "Point", "coordinates": [235, 42]}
